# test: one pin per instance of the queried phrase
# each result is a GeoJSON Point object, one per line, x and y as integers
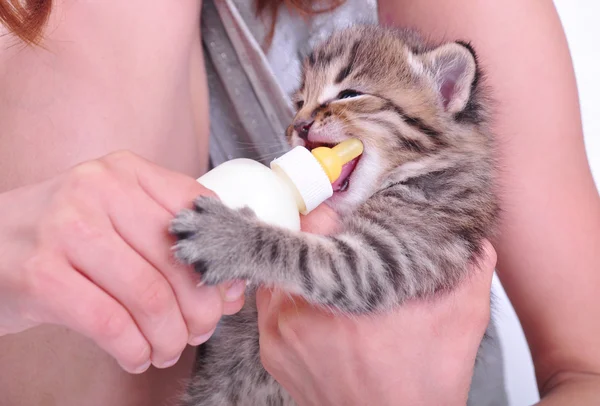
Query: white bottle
{"type": "Point", "coordinates": [296, 183]}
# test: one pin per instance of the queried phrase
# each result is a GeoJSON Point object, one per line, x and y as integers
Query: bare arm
{"type": "Point", "coordinates": [548, 248]}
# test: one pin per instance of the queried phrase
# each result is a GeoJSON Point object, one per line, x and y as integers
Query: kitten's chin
{"type": "Point", "coordinates": [344, 203]}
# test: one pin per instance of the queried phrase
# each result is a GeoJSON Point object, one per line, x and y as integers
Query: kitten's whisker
{"type": "Point", "coordinates": [262, 144]}
{"type": "Point", "coordinates": [251, 149]}
{"type": "Point", "coordinates": [270, 155]}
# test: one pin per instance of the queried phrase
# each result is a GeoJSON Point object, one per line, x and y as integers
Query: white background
{"type": "Point", "coordinates": [580, 19]}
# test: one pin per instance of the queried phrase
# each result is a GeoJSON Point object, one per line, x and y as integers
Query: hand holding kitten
{"type": "Point", "coordinates": [89, 250]}
{"type": "Point", "coordinates": [421, 353]}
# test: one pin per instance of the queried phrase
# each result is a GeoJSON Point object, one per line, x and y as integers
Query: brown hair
{"type": "Point", "coordinates": [27, 18]}
{"type": "Point", "coordinates": [304, 7]}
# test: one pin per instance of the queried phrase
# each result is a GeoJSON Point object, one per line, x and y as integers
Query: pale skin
{"type": "Point", "coordinates": [102, 85]}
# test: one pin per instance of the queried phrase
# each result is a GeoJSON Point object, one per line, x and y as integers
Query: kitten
{"type": "Point", "coordinates": [414, 210]}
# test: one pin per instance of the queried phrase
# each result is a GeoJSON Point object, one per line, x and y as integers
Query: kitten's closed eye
{"type": "Point", "coordinates": [344, 94]}
{"type": "Point", "coordinates": [348, 94]}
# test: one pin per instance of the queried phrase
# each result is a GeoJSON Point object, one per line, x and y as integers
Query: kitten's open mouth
{"type": "Point", "coordinates": [343, 182]}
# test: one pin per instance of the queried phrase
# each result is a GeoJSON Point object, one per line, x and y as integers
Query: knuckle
{"type": "Point", "coordinates": [156, 297]}
{"type": "Point", "coordinates": [135, 358]}
{"type": "Point", "coordinates": [87, 175]}
{"type": "Point", "coordinates": [97, 178]}
{"type": "Point", "coordinates": [120, 157]}
{"type": "Point", "coordinates": [177, 344]}
{"type": "Point", "coordinates": [86, 181]}
{"type": "Point", "coordinates": [107, 322]}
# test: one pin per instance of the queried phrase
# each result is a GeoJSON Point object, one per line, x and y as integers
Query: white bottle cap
{"type": "Point", "coordinates": [307, 175]}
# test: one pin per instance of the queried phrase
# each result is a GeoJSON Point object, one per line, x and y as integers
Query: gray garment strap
{"type": "Point", "coordinates": [249, 111]}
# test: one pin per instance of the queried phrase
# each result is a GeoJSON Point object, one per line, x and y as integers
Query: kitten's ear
{"type": "Point", "coordinates": [453, 68]}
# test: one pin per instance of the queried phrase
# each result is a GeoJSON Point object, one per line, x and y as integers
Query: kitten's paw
{"type": "Point", "coordinates": [210, 237]}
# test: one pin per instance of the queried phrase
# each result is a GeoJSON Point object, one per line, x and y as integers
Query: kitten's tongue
{"type": "Point", "coordinates": [346, 172]}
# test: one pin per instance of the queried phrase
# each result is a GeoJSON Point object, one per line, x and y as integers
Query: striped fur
{"type": "Point", "coordinates": [418, 206]}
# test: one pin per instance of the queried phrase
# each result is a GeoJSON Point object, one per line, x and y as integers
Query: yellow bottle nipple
{"type": "Point", "coordinates": [332, 159]}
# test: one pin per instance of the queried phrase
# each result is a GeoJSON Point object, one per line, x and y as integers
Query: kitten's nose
{"type": "Point", "coordinates": [302, 128]}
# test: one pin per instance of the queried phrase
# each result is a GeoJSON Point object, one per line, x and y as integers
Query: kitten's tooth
{"type": "Point", "coordinates": [345, 185]}
{"type": "Point", "coordinates": [200, 284]}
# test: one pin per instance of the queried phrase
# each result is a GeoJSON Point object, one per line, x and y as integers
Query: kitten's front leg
{"type": "Point", "coordinates": [364, 268]}
{"type": "Point", "coordinates": [224, 244]}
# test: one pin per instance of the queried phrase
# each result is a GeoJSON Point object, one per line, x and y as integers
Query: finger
{"type": "Point", "coordinates": [230, 308]}
{"type": "Point", "coordinates": [270, 340]}
{"type": "Point", "coordinates": [489, 259]}
{"type": "Point", "coordinates": [144, 226]}
{"type": "Point", "coordinates": [172, 190]}
{"type": "Point", "coordinates": [103, 257]}
{"type": "Point", "coordinates": [233, 296]}
{"type": "Point", "coordinates": [286, 316]}
{"type": "Point", "coordinates": [485, 265]}
{"type": "Point", "coordinates": [263, 300]}
{"type": "Point", "coordinates": [471, 302]}
{"type": "Point", "coordinates": [323, 220]}
{"type": "Point", "coordinates": [63, 296]}
{"type": "Point", "coordinates": [266, 316]}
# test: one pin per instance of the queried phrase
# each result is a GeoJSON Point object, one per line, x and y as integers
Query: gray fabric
{"type": "Point", "coordinates": [250, 107]}
{"type": "Point", "coordinates": [487, 386]}
{"type": "Point", "coordinates": [240, 125]}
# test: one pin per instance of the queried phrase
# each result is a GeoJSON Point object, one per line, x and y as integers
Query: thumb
{"type": "Point", "coordinates": [323, 220]}
{"type": "Point", "coordinates": [487, 261]}
{"type": "Point", "coordinates": [484, 266]}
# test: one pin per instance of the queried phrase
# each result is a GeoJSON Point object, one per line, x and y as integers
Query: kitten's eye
{"type": "Point", "coordinates": [299, 104]}
{"type": "Point", "coordinates": [347, 94]}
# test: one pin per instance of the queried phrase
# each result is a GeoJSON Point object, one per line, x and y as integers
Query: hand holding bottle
{"type": "Point", "coordinates": [89, 250]}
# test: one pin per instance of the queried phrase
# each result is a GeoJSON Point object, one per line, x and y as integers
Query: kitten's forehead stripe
{"type": "Point", "coordinates": [346, 70]}
{"type": "Point", "coordinates": [325, 56]}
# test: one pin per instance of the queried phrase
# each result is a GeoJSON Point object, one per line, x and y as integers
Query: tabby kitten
{"type": "Point", "coordinates": [414, 209]}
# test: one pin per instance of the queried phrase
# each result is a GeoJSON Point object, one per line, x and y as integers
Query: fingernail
{"type": "Point", "coordinates": [142, 368]}
{"type": "Point", "coordinates": [201, 339]}
{"type": "Point", "coordinates": [236, 291]}
{"type": "Point", "coordinates": [169, 363]}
